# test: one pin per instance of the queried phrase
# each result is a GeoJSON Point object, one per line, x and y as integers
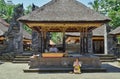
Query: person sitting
{"type": "Point", "coordinates": [77, 66]}
{"type": "Point", "coordinates": [53, 49]}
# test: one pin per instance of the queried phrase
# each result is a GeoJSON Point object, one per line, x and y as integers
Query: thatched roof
{"type": "Point", "coordinates": [3, 26]}
{"type": "Point", "coordinates": [26, 35]}
{"type": "Point", "coordinates": [99, 31]}
{"type": "Point", "coordinates": [64, 10]}
{"type": "Point", "coordinates": [72, 34]}
{"type": "Point", "coordinates": [115, 31]}
{"type": "Point", "coordinates": [96, 32]}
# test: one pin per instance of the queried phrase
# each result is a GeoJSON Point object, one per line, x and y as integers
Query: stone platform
{"type": "Point", "coordinates": [64, 62]}
{"type": "Point", "coordinates": [86, 70]}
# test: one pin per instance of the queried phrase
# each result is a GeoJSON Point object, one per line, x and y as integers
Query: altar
{"type": "Point", "coordinates": [56, 61]}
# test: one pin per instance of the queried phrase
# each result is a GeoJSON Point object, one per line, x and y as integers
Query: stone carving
{"type": "Point", "coordinates": [36, 42]}
{"type": "Point", "coordinates": [14, 33]}
{"type": "Point", "coordinates": [36, 37]}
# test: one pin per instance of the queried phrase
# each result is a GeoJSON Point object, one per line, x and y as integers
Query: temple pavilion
{"type": "Point", "coordinates": [115, 31]}
{"type": "Point", "coordinates": [65, 16]}
{"type": "Point", "coordinates": [116, 34]}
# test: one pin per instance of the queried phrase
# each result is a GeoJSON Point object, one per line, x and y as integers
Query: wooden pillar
{"type": "Point", "coordinates": [90, 46]}
{"type": "Point", "coordinates": [82, 41]}
{"type": "Point", "coordinates": [86, 40]}
{"type": "Point", "coordinates": [64, 44]}
{"type": "Point", "coordinates": [44, 40]}
{"type": "Point", "coordinates": [47, 40]}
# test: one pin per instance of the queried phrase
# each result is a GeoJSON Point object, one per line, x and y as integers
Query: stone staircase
{"type": "Point", "coordinates": [106, 58]}
{"type": "Point", "coordinates": [24, 58]}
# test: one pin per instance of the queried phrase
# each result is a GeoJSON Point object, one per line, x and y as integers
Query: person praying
{"type": "Point", "coordinates": [77, 66]}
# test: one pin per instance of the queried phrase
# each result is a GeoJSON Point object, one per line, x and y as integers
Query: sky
{"type": "Point", "coordinates": [42, 2]}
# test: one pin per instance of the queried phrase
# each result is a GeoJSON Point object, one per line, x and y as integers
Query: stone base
{"type": "Point", "coordinates": [64, 62]}
{"type": "Point", "coordinates": [86, 70]}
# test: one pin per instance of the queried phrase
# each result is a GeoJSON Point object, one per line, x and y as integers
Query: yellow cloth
{"type": "Point", "coordinates": [77, 69]}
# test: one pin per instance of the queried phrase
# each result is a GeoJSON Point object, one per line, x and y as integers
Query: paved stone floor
{"type": "Point", "coordinates": [15, 71]}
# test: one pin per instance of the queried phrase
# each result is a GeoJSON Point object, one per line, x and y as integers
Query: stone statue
{"type": "Point", "coordinates": [14, 33]}
{"type": "Point", "coordinates": [36, 37]}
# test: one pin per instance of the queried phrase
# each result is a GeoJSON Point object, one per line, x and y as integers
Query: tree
{"type": "Point", "coordinates": [6, 10]}
{"type": "Point", "coordinates": [28, 9]}
{"type": "Point", "coordinates": [110, 8]}
{"type": "Point", "coordinates": [57, 37]}
{"type": "Point", "coordinates": [2, 7]}
{"type": "Point", "coordinates": [9, 12]}
{"type": "Point", "coordinates": [95, 5]}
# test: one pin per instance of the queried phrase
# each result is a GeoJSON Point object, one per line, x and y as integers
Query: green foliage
{"type": "Point", "coordinates": [2, 7]}
{"type": "Point", "coordinates": [57, 37]}
{"type": "Point", "coordinates": [29, 30]}
{"type": "Point", "coordinates": [9, 12]}
{"type": "Point", "coordinates": [6, 10]}
{"type": "Point", "coordinates": [110, 8]}
{"type": "Point", "coordinates": [115, 16]}
{"type": "Point", "coordinates": [28, 9]}
{"type": "Point", "coordinates": [95, 5]}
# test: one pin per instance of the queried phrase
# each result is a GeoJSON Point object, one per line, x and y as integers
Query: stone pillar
{"type": "Point", "coordinates": [36, 42]}
{"type": "Point", "coordinates": [90, 46]}
{"type": "Point", "coordinates": [10, 44]}
{"type": "Point", "coordinates": [111, 44]}
{"type": "Point", "coordinates": [105, 40]}
{"type": "Point", "coordinates": [20, 39]}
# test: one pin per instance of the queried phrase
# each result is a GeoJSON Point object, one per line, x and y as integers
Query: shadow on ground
{"type": "Point", "coordinates": [111, 68]}
{"type": "Point", "coordinates": [1, 62]}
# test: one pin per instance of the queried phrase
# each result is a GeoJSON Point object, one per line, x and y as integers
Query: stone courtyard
{"type": "Point", "coordinates": [9, 70]}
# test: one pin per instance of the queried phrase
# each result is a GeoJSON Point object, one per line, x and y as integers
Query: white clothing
{"type": "Point", "coordinates": [53, 49]}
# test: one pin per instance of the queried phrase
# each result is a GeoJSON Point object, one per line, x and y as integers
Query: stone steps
{"type": "Point", "coordinates": [64, 70]}
{"type": "Point", "coordinates": [20, 61]}
{"type": "Point", "coordinates": [107, 58]}
{"type": "Point", "coordinates": [24, 58]}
